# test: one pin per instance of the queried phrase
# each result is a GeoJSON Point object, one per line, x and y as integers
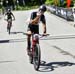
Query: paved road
{"type": "Point", "coordinates": [57, 50]}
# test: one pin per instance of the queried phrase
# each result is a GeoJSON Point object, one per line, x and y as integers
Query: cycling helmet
{"type": "Point", "coordinates": [9, 10]}
{"type": "Point", "coordinates": [43, 8]}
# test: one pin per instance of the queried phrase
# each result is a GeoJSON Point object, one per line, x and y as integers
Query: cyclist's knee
{"type": "Point", "coordinates": [29, 33]}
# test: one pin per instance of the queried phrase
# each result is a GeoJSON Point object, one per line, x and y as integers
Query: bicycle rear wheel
{"type": "Point", "coordinates": [36, 57]}
{"type": "Point", "coordinates": [9, 30]}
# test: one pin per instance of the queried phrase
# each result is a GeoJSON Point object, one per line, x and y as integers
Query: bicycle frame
{"type": "Point", "coordinates": [35, 55]}
{"type": "Point", "coordinates": [35, 39]}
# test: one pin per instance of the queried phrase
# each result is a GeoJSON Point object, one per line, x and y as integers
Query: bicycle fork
{"type": "Point", "coordinates": [34, 42]}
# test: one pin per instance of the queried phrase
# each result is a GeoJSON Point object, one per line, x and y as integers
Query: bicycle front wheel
{"type": "Point", "coordinates": [9, 28]}
{"type": "Point", "coordinates": [36, 57]}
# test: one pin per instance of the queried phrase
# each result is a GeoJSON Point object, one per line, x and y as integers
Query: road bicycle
{"type": "Point", "coordinates": [35, 55]}
{"type": "Point", "coordinates": [9, 25]}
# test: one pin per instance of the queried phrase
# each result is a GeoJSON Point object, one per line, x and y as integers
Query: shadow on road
{"type": "Point", "coordinates": [59, 37]}
{"type": "Point", "coordinates": [50, 37]}
{"type": "Point", "coordinates": [4, 41]}
{"type": "Point", "coordinates": [64, 52]}
{"type": "Point", "coordinates": [6, 61]}
{"type": "Point", "coordinates": [45, 38]}
{"type": "Point", "coordinates": [17, 32]}
{"type": "Point", "coordinates": [13, 40]}
{"type": "Point", "coordinates": [47, 67]}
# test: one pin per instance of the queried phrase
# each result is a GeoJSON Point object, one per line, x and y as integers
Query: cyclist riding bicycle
{"type": "Point", "coordinates": [33, 26]}
{"type": "Point", "coordinates": [9, 15]}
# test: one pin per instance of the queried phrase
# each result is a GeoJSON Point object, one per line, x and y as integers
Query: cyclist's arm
{"type": "Point", "coordinates": [5, 16]}
{"type": "Point", "coordinates": [13, 16]}
{"type": "Point", "coordinates": [44, 28]}
{"type": "Point", "coordinates": [43, 20]}
{"type": "Point", "coordinates": [34, 20]}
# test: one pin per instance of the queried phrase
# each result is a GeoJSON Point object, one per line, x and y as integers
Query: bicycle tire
{"type": "Point", "coordinates": [36, 57]}
{"type": "Point", "coordinates": [9, 28]}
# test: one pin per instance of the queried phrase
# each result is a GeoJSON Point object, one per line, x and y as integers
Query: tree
{"type": "Point", "coordinates": [49, 2]}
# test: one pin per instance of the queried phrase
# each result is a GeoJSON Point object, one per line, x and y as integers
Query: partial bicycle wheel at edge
{"type": "Point", "coordinates": [37, 57]}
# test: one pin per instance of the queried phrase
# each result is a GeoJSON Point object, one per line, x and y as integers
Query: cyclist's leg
{"type": "Point", "coordinates": [29, 32]}
{"type": "Point", "coordinates": [31, 29]}
{"type": "Point", "coordinates": [10, 23]}
{"type": "Point", "coordinates": [29, 40]}
{"type": "Point", "coordinates": [7, 25]}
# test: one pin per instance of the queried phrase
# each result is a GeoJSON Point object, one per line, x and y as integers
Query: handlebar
{"type": "Point", "coordinates": [42, 35]}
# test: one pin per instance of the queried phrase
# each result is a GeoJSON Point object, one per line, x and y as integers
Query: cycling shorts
{"type": "Point", "coordinates": [33, 28]}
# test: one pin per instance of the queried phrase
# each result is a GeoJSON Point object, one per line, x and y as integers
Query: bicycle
{"type": "Point", "coordinates": [9, 25]}
{"type": "Point", "coordinates": [35, 55]}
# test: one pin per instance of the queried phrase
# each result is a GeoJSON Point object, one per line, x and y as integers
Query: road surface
{"type": "Point", "coordinates": [57, 50]}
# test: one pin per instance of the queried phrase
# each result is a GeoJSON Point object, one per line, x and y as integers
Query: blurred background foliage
{"type": "Point", "coordinates": [26, 4]}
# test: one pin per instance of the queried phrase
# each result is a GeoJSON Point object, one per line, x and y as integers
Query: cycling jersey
{"type": "Point", "coordinates": [35, 28]}
{"type": "Point", "coordinates": [42, 18]}
{"type": "Point", "coordinates": [9, 15]}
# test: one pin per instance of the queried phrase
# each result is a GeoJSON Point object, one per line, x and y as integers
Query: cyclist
{"type": "Point", "coordinates": [33, 26]}
{"type": "Point", "coordinates": [9, 15]}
